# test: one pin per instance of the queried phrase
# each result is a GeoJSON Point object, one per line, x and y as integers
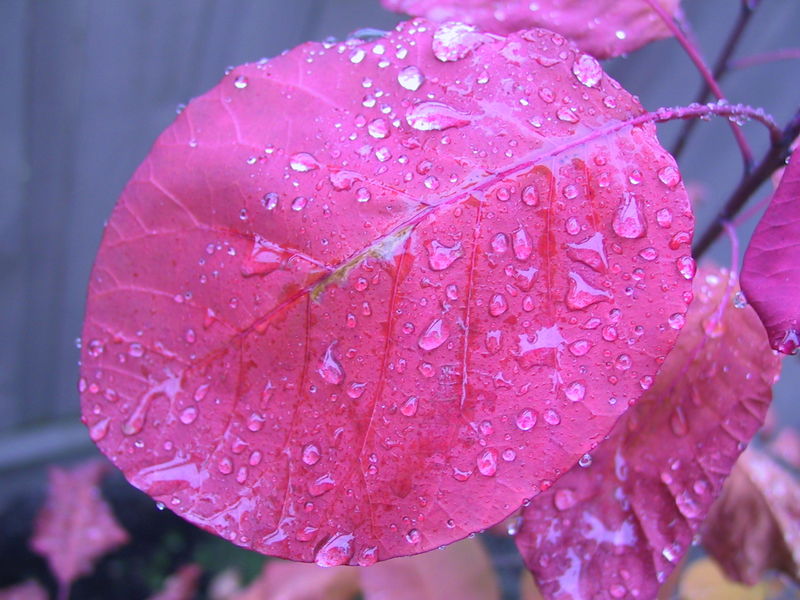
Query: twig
{"type": "Point", "coordinates": [774, 158]}
{"type": "Point", "coordinates": [766, 57]}
{"type": "Point", "coordinates": [721, 66]}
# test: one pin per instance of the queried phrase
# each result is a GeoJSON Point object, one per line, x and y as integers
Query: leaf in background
{"type": "Point", "coordinates": [282, 580]}
{"type": "Point", "coordinates": [75, 527]}
{"type": "Point", "coordinates": [462, 570]}
{"type": "Point", "coordinates": [617, 527]}
{"type": "Point", "coordinates": [771, 266]}
{"type": "Point", "coordinates": [786, 446]}
{"type": "Point", "coordinates": [704, 580]}
{"type": "Point", "coordinates": [755, 525]}
{"type": "Point", "coordinates": [603, 28]}
{"type": "Point", "coordinates": [29, 590]}
{"type": "Point", "coordinates": [380, 322]}
{"type": "Point", "coordinates": [181, 585]}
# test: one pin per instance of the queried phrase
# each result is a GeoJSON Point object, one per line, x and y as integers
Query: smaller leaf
{"type": "Point", "coordinates": [771, 268]}
{"type": "Point", "coordinates": [28, 590]}
{"type": "Point", "coordinates": [704, 580]}
{"type": "Point", "coordinates": [620, 523]}
{"type": "Point", "coordinates": [755, 525]}
{"type": "Point", "coordinates": [786, 446]}
{"type": "Point", "coordinates": [603, 28]}
{"type": "Point", "coordinates": [75, 527]}
{"type": "Point", "coordinates": [285, 580]}
{"type": "Point", "coordinates": [182, 585]}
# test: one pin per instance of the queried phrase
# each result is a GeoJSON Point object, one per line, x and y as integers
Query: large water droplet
{"type": "Point", "coordinates": [410, 78]}
{"type": "Point", "coordinates": [526, 419]}
{"type": "Point", "coordinates": [311, 454]}
{"type": "Point", "coordinates": [440, 256]}
{"type": "Point", "coordinates": [329, 368]}
{"type": "Point", "coordinates": [409, 407]}
{"type": "Point", "coordinates": [575, 391]}
{"type": "Point", "coordinates": [590, 252]}
{"type": "Point", "coordinates": [303, 162]}
{"type": "Point", "coordinates": [587, 70]}
{"type": "Point", "coordinates": [321, 484]}
{"type": "Point", "coordinates": [669, 176]}
{"type": "Point", "coordinates": [429, 116]}
{"type": "Point", "coordinates": [434, 335]}
{"type": "Point", "coordinates": [487, 462]}
{"type": "Point", "coordinates": [99, 430]}
{"type": "Point", "coordinates": [338, 550]}
{"type": "Point", "coordinates": [580, 294]}
{"type": "Point", "coordinates": [498, 305]}
{"type": "Point", "coordinates": [188, 415]}
{"type": "Point", "coordinates": [521, 242]}
{"type": "Point", "coordinates": [629, 222]}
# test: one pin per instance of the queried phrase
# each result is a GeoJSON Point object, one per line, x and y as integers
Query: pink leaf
{"type": "Point", "coordinates": [29, 590]}
{"type": "Point", "coordinates": [603, 28]}
{"type": "Point", "coordinates": [771, 268]}
{"type": "Point", "coordinates": [281, 580]}
{"type": "Point", "coordinates": [182, 585]}
{"type": "Point", "coordinates": [755, 525]}
{"type": "Point", "coordinates": [617, 527]}
{"type": "Point", "coordinates": [76, 527]}
{"type": "Point", "coordinates": [378, 323]}
{"type": "Point", "coordinates": [462, 571]}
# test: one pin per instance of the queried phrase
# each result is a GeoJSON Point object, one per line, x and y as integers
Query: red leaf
{"type": "Point", "coordinates": [771, 268]}
{"type": "Point", "coordinates": [75, 526]}
{"type": "Point", "coordinates": [755, 525]}
{"type": "Point", "coordinates": [380, 322]}
{"type": "Point", "coordinates": [617, 528]}
{"type": "Point", "coordinates": [182, 585]}
{"type": "Point", "coordinates": [29, 590]}
{"type": "Point", "coordinates": [604, 28]}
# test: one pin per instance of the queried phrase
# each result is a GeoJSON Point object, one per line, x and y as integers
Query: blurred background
{"type": "Point", "coordinates": [89, 84]}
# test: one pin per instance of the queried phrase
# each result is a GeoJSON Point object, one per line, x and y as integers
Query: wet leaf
{"type": "Point", "coordinates": [378, 324]}
{"type": "Point", "coordinates": [603, 28]}
{"type": "Point", "coordinates": [617, 527]}
{"type": "Point", "coordinates": [28, 590]}
{"type": "Point", "coordinates": [182, 585]}
{"type": "Point", "coordinates": [771, 267]}
{"type": "Point", "coordinates": [755, 525]}
{"type": "Point", "coordinates": [75, 527]}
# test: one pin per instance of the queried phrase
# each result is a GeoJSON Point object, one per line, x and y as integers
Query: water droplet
{"type": "Point", "coordinates": [299, 203]}
{"type": "Point", "coordinates": [440, 256]}
{"type": "Point", "coordinates": [529, 196]}
{"type": "Point", "coordinates": [572, 226]}
{"type": "Point", "coordinates": [500, 243]}
{"type": "Point", "coordinates": [487, 462]}
{"type": "Point", "coordinates": [240, 82]}
{"type": "Point", "coordinates": [669, 176]}
{"type": "Point", "coordinates": [581, 295]}
{"type": "Point", "coordinates": [311, 454]}
{"type": "Point", "coordinates": [340, 180]}
{"type": "Point", "coordinates": [453, 41]}
{"type": "Point", "coordinates": [368, 556]}
{"type": "Point", "coordinates": [579, 347]}
{"type": "Point", "coordinates": [413, 536]}
{"type": "Point", "coordinates": [575, 391]}
{"type": "Point", "coordinates": [302, 162]}
{"type": "Point", "coordinates": [225, 466]}
{"type": "Point", "coordinates": [739, 300]}
{"type": "Point", "coordinates": [551, 417]}
{"type": "Point", "coordinates": [686, 267]}
{"type": "Point", "coordinates": [378, 128]}
{"type": "Point", "coordinates": [99, 430]}
{"type": "Point", "coordinates": [521, 242]}
{"type": "Point", "coordinates": [567, 115]}
{"type": "Point", "coordinates": [430, 116]}
{"type": "Point", "coordinates": [677, 320]}
{"type": "Point", "coordinates": [355, 390]}
{"type": "Point", "coordinates": [321, 484]}
{"type": "Point", "coordinates": [357, 55]}
{"type": "Point", "coordinates": [590, 252]}
{"type": "Point", "coordinates": [410, 78]}
{"type": "Point", "coordinates": [587, 70]}
{"type": "Point", "coordinates": [585, 461]}
{"type": "Point", "coordinates": [498, 305]}
{"type": "Point", "coordinates": [338, 550]}
{"type": "Point", "coordinates": [135, 350]}
{"type": "Point", "coordinates": [526, 419]}
{"type": "Point", "coordinates": [664, 218]}
{"type": "Point", "coordinates": [628, 220]}
{"type": "Point", "coordinates": [188, 415]}
{"type": "Point", "coordinates": [409, 407]}
{"type": "Point", "coordinates": [329, 368]}
{"type": "Point", "coordinates": [434, 335]}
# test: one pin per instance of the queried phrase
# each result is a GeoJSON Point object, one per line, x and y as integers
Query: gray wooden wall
{"type": "Point", "coordinates": [88, 84]}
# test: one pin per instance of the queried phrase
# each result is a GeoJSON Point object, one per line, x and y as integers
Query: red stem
{"type": "Point", "coordinates": [693, 53]}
